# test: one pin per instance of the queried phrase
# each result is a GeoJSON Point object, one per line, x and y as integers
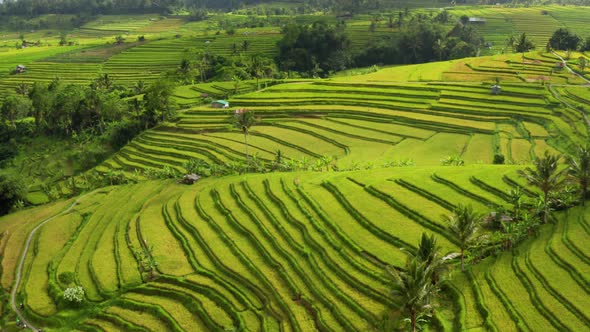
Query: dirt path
{"type": "Point", "coordinates": [569, 69]}
{"type": "Point", "coordinates": [19, 270]}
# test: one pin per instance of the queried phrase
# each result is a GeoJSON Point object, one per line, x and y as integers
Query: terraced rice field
{"type": "Point", "coordinates": [168, 37]}
{"type": "Point", "coordinates": [305, 251]}
{"type": "Point", "coordinates": [291, 251]}
{"type": "Point", "coordinates": [538, 23]}
{"type": "Point", "coordinates": [366, 123]}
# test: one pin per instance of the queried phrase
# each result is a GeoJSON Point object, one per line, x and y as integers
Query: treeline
{"type": "Point", "coordinates": [39, 7]}
{"type": "Point", "coordinates": [101, 112]}
{"type": "Point", "coordinates": [319, 49]}
{"type": "Point", "coordinates": [565, 40]}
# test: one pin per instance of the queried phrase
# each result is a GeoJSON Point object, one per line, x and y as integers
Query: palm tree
{"type": "Point", "coordinates": [412, 289]}
{"type": "Point", "coordinates": [257, 68]}
{"type": "Point", "coordinates": [579, 169]}
{"type": "Point", "coordinates": [463, 225]}
{"type": "Point", "coordinates": [429, 253]}
{"type": "Point", "coordinates": [545, 176]}
{"type": "Point", "coordinates": [243, 120]}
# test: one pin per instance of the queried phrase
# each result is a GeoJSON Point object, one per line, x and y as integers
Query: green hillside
{"type": "Point", "coordinates": [297, 223]}
{"type": "Point", "coordinates": [295, 252]}
{"type": "Point", "coordinates": [373, 119]}
{"type": "Point", "coordinates": [91, 46]}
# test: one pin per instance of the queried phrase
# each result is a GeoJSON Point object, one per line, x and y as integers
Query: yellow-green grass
{"type": "Point", "coordinates": [138, 318]}
{"type": "Point", "coordinates": [535, 129]}
{"type": "Point", "coordinates": [217, 314]}
{"type": "Point", "coordinates": [563, 252]}
{"type": "Point", "coordinates": [102, 325]}
{"type": "Point", "coordinates": [230, 236]}
{"type": "Point", "coordinates": [295, 269]}
{"type": "Point", "coordinates": [210, 262]}
{"type": "Point", "coordinates": [520, 150]}
{"type": "Point", "coordinates": [426, 72]}
{"type": "Point", "coordinates": [387, 127]}
{"type": "Point", "coordinates": [321, 264]}
{"type": "Point", "coordinates": [120, 22]}
{"type": "Point", "coordinates": [550, 276]}
{"type": "Point", "coordinates": [185, 318]}
{"type": "Point", "coordinates": [479, 150]}
{"type": "Point", "coordinates": [507, 281]}
{"type": "Point", "coordinates": [302, 211]}
{"type": "Point", "coordinates": [77, 258]}
{"type": "Point", "coordinates": [541, 146]}
{"type": "Point", "coordinates": [244, 253]}
{"type": "Point", "coordinates": [10, 59]}
{"type": "Point", "coordinates": [16, 228]}
{"type": "Point", "coordinates": [431, 151]}
{"type": "Point", "coordinates": [152, 224]}
{"type": "Point", "coordinates": [108, 257]}
{"type": "Point", "coordinates": [499, 315]}
{"type": "Point", "coordinates": [49, 241]}
{"type": "Point", "coordinates": [467, 298]}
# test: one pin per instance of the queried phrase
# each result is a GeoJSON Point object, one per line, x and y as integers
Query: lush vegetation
{"type": "Point", "coordinates": [333, 193]}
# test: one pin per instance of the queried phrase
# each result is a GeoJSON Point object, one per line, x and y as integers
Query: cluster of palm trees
{"type": "Point", "coordinates": [552, 178]}
{"type": "Point", "coordinates": [415, 287]}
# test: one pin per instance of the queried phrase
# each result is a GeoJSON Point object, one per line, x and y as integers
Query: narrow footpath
{"type": "Point", "coordinates": [23, 257]}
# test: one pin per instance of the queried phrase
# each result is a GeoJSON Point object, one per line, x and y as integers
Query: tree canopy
{"type": "Point", "coordinates": [563, 39]}
{"type": "Point", "coordinates": [316, 50]}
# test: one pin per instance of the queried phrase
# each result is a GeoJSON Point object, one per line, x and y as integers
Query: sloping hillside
{"type": "Point", "coordinates": [290, 251]}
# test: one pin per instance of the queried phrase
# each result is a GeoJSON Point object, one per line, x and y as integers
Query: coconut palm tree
{"type": "Point", "coordinates": [412, 289]}
{"type": "Point", "coordinates": [463, 225]}
{"type": "Point", "coordinates": [244, 120]}
{"type": "Point", "coordinates": [579, 170]}
{"type": "Point", "coordinates": [546, 176]}
{"type": "Point", "coordinates": [429, 252]}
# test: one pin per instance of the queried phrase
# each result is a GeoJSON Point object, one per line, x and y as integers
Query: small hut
{"type": "Point", "coordinates": [20, 69]}
{"type": "Point", "coordinates": [220, 104]}
{"type": "Point", "coordinates": [190, 179]}
{"type": "Point", "coordinates": [496, 89]}
{"type": "Point", "coordinates": [477, 20]}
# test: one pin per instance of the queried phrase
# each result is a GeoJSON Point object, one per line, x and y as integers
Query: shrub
{"type": "Point", "coordinates": [499, 159]}
{"type": "Point", "coordinates": [122, 132]}
{"type": "Point", "coordinates": [74, 294]}
{"type": "Point", "coordinates": [452, 161]}
{"type": "Point", "coordinates": [7, 151]}
{"type": "Point", "coordinates": [66, 278]}
{"type": "Point", "coordinates": [12, 190]}
{"type": "Point", "coordinates": [88, 156]}
{"type": "Point", "coordinates": [166, 172]}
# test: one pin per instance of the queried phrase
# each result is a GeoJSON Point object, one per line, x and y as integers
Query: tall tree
{"type": "Point", "coordinates": [429, 253]}
{"type": "Point", "coordinates": [412, 289]}
{"type": "Point", "coordinates": [158, 101]}
{"type": "Point", "coordinates": [463, 225]}
{"type": "Point", "coordinates": [546, 176]}
{"type": "Point", "coordinates": [582, 63]}
{"type": "Point", "coordinates": [523, 44]}
{"type": "Point", "coordinates": [579, 170]}
{"type": "Point", "coordinates": [12, 190]}
{"type": "Point", "coordinates": [563, 39]}
{"type": "Point", "coordinates": [257, 68]}
{"type": "Point", "coordinates": [14, 108]}
{"type": "Point", "coordinates": [243, 120]}
{"type": "Point", "coordinates": [303, 48]}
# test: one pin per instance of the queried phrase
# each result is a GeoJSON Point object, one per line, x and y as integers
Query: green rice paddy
{"type": "Point", "coordinates": [306, 250]}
